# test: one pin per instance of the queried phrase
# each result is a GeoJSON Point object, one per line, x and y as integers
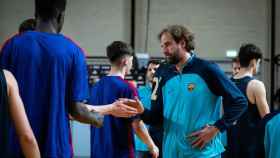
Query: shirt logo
{"type": "Point", "coordinates": [191, 87]}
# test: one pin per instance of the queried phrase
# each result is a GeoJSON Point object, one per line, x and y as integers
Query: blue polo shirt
{"type": "Point", "coordinates": [51, 73]}
{"type": "Point", "coordinates": [115, 139]}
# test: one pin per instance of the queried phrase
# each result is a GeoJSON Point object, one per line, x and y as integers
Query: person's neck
{"type": "Point", "coordinates": [115, 71]}
{"type": "Point", "coordinates": [46, 26]}
{"type": "Point", "coordinates": [243, 72]}
{"type": "Point", "coordinates": [183, 61]}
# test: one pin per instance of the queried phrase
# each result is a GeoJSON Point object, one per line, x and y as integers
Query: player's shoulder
{"type": "Point", "coordinates": [255, 84]}
{"type": "Point", "coordinates": [9, 40]}
{"type": "Point", "coordinates": [73, 43]}
{"type": "Point", "coordinates": [10, 80]}
{"type": "Point", "coordinates": [205, 65]}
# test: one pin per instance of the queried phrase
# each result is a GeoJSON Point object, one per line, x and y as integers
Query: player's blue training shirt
{"type": "Point", "coordinates": [115, 139]}
{"type": "Point", "coordinates": [51, 73]}
{"type": "Point", "coordinates": [270, 134]}
{"type": "Point", "coordinates": [145, 97]}
{"type": "Point", "coordinates": [188, 101]}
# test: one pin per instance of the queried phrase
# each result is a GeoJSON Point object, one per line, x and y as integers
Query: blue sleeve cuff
{"type": "Point", "coordinates": [220, 124]}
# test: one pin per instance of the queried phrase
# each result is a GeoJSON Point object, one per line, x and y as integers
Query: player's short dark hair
{"type": "Point", "coordinates": [153, 61]}
{"type": "Point", "coordinates": [248, 52]}
{"type": "Point", "coordinates": [178, 33]}
{"type": "Point", "coordinates": [117, 50]}
{"type": "Point", "coordinates": [48, 9]}
{"type": "Point", "coordinates": [235, 60]}
{"type": "Point", "coordinates": [27, 25]}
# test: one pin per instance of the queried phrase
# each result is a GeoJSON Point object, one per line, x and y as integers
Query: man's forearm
{"type": "Point", "coordinates": [104, 110]}
{"type": "Point", "coordinates": [142, 132]}
{"type": "Point", "coordinates": [81, 113]}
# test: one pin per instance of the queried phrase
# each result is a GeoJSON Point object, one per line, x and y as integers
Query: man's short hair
{"type": "Point", "coordinates": [153, 61]}
{"type": "Point", "coordinates": [248, 52]}
{"type": "Point", "coordinates": [178, 33]}
{"type": "Point", "coordinates": [235, 60]}
{"type": "Point", "coordinates": [117, 50]}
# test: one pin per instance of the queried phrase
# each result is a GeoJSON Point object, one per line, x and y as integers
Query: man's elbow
{"type": "Point", "coordinates": [28, 140]}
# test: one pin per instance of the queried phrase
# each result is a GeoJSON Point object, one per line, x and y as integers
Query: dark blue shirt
{"type": "Point", "coordinates": [51, 73]}
{"type": "Point", "coordinates": [115, 139]}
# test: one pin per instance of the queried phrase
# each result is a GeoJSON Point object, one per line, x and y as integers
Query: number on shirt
{"type": "Point", "coordinates": [156, 81]}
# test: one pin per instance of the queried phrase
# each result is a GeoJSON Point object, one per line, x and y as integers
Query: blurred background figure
{"type": "Point", "coordinates": [27, 25]}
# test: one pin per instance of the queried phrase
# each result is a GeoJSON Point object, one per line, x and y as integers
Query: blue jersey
{"type": "Point", "coordinates": [51, 73]}
{"type": "Point", "coordinates": [271, 134]}
{"type": "Point", "coordinates": [145, 97]}
{"type": "Point", "coordinates": [115, 139]}
{"type": "Point", "coordinates": [243, 138]}
{"type": "Point", "coordinates": [188, 101]}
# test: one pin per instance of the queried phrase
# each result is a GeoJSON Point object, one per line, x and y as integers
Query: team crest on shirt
{"type": "Point", "coordinates": [191, 87]}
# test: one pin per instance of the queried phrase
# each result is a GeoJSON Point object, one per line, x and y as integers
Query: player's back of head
{"type": "Point", "coordinates": [48, 9]}
{"type": "Point", "coordinates": [117, 50]}
{"type": "Point", "coordinates": [248, 52]}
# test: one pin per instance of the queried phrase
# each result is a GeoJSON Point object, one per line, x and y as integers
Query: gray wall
{"type": "Point", "coordinates": [218, 25]}
{"type": "Point", "coordinates": [92, 23]}
{"type": "Point", "coordinates": [96, 23]}
{"type": "Point", "coordinates": [12, 12]}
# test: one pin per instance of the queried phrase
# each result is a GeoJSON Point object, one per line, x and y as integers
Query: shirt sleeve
{"type": "Point", "coordinates": [234, 102]}
{"type": "Point", "coordinates": [131, 93]}
{"type": "Point", "coordinates": [79, 78]}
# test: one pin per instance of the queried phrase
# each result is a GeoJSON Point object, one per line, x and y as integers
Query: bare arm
{"type": "Point", "coordinates": [257, 90]}
{"type": "Point", "coordinates": [26, 137]}
{"type": "Point", "coordinates": [92, 114]}
{"type": "Point", "coordinates": [142, 132]}
{"type": "Point", "coordinates": [81, 113]}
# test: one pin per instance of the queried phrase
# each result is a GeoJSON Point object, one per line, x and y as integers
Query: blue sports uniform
{"type": "Point", "coordinates": [242, 137]}
{"type": "Point", "coordinates": [270, 135]}
{"type": "Point", "coordinates": [155, 131]}
{"type": "Point", "coordinates": [145, 97]}
{"type": "Point", "coordinates": [115, 139]}
{"type": "Point", "coordinates": [51, 73]}
{"type": "Point", "coordinates": [188, 101]}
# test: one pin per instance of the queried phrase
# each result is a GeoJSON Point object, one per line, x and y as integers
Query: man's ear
{"type": "Point", "coordinates": [251, 64]}
{"type": "Point", "coordinates": [123, 61]}
{"type": "Point", "coordinates": [183, 43]}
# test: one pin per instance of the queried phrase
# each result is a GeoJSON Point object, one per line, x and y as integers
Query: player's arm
{"type": "Point", "coordinates": [142, 132]}
{"type": "Point", "coordinates": [92, 114]}
{"type": "Point", "coordinates": [79, 92]}
{"type": "Point", "coordinates": [80, 112]}
{"type": "Point", "coordinates": [257, 88]}
{"type": "Point", "coordinates": [234, 104]}
{"type": "Point", "coordinates": [25, 134]}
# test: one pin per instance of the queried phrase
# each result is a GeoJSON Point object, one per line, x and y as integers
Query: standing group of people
{"type": "Point", "coordinates": [186, 104]}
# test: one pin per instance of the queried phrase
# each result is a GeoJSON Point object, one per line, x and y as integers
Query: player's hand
{"type": "Point", "coordinates": [200, 138]}
{"type": "Point", "coordinates": [135, 103]}
{"type": "Point", "coordinates": [154, 151]}
{"type": "Point", "coordinates": [120, 109]}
